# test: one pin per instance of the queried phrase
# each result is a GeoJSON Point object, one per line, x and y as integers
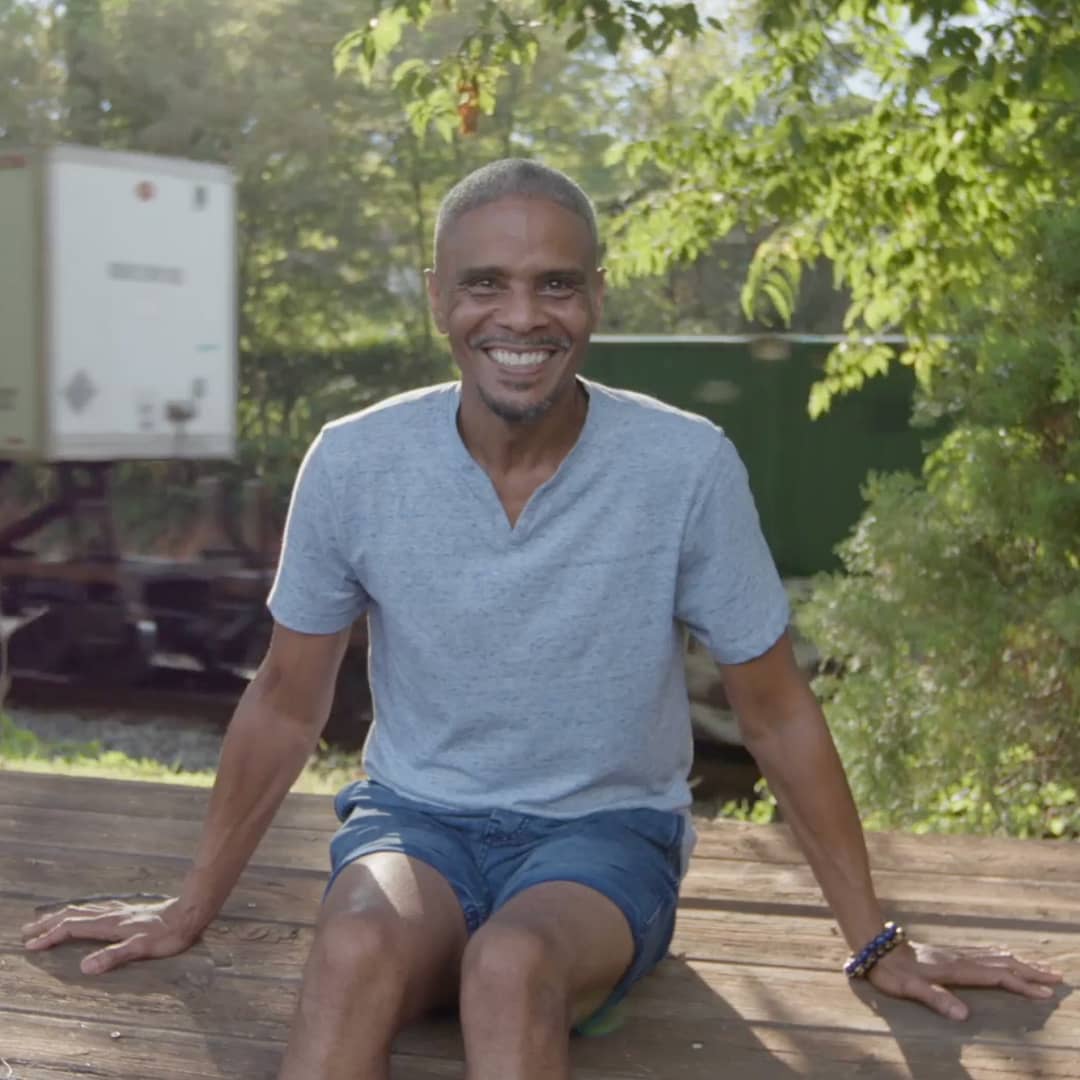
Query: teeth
{"type": "Point", "coordinates": [506, 358]}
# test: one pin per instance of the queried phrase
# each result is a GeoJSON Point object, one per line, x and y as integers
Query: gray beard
{"type": "Point", "coordinates": [528, 415]}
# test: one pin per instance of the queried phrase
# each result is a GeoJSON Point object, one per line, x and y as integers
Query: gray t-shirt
{"type": "Point", "coordinates": [537, 668]}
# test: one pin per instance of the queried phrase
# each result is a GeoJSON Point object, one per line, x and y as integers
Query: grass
{"type": "Point", "coordinates": [23, 751]}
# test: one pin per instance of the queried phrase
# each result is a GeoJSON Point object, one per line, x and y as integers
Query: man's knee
{"type": "Point", "coordinates": [357, 951]}
{"type": "Point", "coordinates": [511, 967]}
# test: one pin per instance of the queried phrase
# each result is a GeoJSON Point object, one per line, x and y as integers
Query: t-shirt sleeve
{"type": "Point", "coordinates": [316, 589]}
{"type": "Point", "coordinates": [729, 592]}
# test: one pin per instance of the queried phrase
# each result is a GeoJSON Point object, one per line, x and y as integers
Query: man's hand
{"type": "Point", "coordinates": [921, 973]}
{"type": "Point", "coordinates": [141, 931]}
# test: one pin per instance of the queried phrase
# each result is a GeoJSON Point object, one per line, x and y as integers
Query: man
{"type": "Point", "coordinates": [528, 547]}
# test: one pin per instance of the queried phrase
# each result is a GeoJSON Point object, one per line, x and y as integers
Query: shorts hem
{"type": "Point", "coordinates": [473, 914]}
{"type": "Point", "coordinates": [639, 965]}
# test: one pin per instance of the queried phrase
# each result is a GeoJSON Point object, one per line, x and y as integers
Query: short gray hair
{"type": "Point", "coordinates": [515, 177]}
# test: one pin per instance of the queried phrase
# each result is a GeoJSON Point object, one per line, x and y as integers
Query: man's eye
{"type": "Point", "coordinates": [481, 284]}
{"type": "Point", "coordinates": [558, 286]}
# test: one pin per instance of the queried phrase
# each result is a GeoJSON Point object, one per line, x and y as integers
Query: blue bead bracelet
{"type": "Point", "coordinates": [861, 962]}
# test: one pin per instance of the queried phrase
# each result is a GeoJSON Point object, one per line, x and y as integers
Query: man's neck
{"type": "Point", "coordinates": [501, 447]}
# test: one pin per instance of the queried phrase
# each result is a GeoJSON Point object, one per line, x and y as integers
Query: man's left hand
{"type": "Point", "coordinates": [922, 972]}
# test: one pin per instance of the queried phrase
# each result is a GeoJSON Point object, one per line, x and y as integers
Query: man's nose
{"type": "Point", "coordinates": [521, 310]}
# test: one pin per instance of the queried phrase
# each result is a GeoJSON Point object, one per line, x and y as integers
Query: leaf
{"type": "Point", "coordinates": [407, 72]}
{"type": "Point", "coordinates": [345, 48]}
{"type": "Point", "coordinates": [386, 30]}
{"type": "Point", "coordinates": [445, 126]}
{"type": "Point", "coordinates": [576, 38]}
{"type": "Point", "coordinates": [820, 400]}
{"type": "Point", "coordinates": [612, 32]}
{"type": "Point", "coordinates": [776, 290]}
{"type": "Point", "coordinates": [615, 154]}
{"type": "Point", "coordinates": [879, 312]}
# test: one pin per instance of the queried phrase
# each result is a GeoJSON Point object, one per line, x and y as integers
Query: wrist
{"type": "Point", "coordinates": [858, 926]}
{"type": "Point", "coordinates": [891, 936]}
{"type": "Point", "coordinates": [189, 917]}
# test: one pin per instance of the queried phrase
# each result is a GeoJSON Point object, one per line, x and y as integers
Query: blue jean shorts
{"type": "Point", "coordinates": [633, 857]}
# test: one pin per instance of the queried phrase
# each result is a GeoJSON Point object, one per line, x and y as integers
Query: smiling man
{"type": "Point", "coordinates": [530, 548]}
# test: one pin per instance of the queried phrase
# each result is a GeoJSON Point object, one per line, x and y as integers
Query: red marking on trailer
{"type": "Point", "coordinates": [12, 161]}
{"type": "Point", "coordinates": [145, 191]}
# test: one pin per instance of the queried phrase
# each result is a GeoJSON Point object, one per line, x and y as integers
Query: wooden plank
{"type": "Point", "coordinates": [176, 802]}
{"type": "Point", "coordinates": [50, 1048]}
{"type": "Point", "coordinates": [1036, 860]}
{"type": "Point", "coordinates": [710, 884]}
{"type": "Point", "coordinates": [34, 875]}
{"type": "Point", "coordinates": [710, 991]}
{"type": "Point", "coordinates": [45, 1048]}
{"type": "Point", "coordinates": [253, 948]}
{"type": "Point", "coordinates": [803, 941]}
{"type": "Point", "coordinates": [679, 1039]}
{"type": "Point", "coordinates": [123, 836]}
{"type": "Point", "coordinates": [786, 891]}
{"type": "Point", "coordinates": [31, 876]}
{"type": "Point", "coordinates": [718, 881]}
{"type": "Point", "coordinates": [191, 990]}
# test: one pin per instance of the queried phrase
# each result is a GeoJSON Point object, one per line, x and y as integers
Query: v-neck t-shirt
{"type": "Point", "coordinates": [539, 667]}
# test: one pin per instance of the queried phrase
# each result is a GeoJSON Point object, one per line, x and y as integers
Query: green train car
{"type": "Point", "coordinates": [807, 475]}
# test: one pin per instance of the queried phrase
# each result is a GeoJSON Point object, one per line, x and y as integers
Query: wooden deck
{"type": "Point", "coordinates": [751, 990]}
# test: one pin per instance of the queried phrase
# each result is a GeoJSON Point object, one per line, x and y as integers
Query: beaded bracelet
{"type": "Point", "coordinates": [859, 965]}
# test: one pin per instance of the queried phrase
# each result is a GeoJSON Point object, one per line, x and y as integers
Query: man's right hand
{"type": "Point", "coordinates": [272, 734]}
{"type": "Point", "coordinates": [140, 931]}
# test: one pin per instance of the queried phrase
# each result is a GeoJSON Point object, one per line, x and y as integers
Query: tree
{"type": "Point", "coordinates": [32, 79]}
{"type": "Point", "coordinates": [916, 190]}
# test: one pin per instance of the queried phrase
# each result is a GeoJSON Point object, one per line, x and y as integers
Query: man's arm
{"type": "Point", "coordinates": [784, 729]}
{"type": "Point", "coordinates": [274, 729]}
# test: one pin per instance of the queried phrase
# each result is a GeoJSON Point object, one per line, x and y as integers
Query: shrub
{"type": "Point", "coordinates": [953, 635]}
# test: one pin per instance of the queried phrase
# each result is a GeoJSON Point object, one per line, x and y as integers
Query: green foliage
{"type": "Point", "coordinates": [761, 810]}
{"type": "Point", "coordinates": [498, 36]}
{"type": "Point", "coordinates": [954, 635]}
{"type": "Point", "coordinates": [913, 165]}
{"type": "Point", "coordinates": [32, 80]}
{"type": "Point", "coordinates": [286, 397]}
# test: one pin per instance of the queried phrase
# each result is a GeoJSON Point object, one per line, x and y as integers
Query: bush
{"type": "Point", "coordinates": [953, 636]}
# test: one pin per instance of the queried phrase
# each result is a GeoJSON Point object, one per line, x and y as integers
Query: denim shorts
{"type": "Point", "coordinates": [633, 857]}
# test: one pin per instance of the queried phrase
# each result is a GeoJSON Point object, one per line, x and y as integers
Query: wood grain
{"type": "Point", "coordinates": [751, 989]}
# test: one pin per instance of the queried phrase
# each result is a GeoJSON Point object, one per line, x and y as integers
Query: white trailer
{"type": "Point", "coordinates": [117, 307]}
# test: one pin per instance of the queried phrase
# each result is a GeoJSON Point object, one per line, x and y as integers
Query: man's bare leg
{"type": "Point", "coordinates": [387, 949]}
{"type": "Point", "coordinates": [542, 963]}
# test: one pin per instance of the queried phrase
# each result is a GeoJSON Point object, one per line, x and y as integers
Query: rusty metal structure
{"type": "Point", "coordinates": [96, 614]}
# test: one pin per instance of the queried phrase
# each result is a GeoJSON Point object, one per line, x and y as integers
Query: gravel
{"type": "Point", "coordinates": [176, 741]}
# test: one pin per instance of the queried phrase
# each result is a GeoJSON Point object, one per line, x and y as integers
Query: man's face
{"type": "Point", "coordinates": [516, 290]}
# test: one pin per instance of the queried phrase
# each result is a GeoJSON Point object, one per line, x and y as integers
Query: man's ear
{"type": "Point", "coordinates": [436, 299]}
